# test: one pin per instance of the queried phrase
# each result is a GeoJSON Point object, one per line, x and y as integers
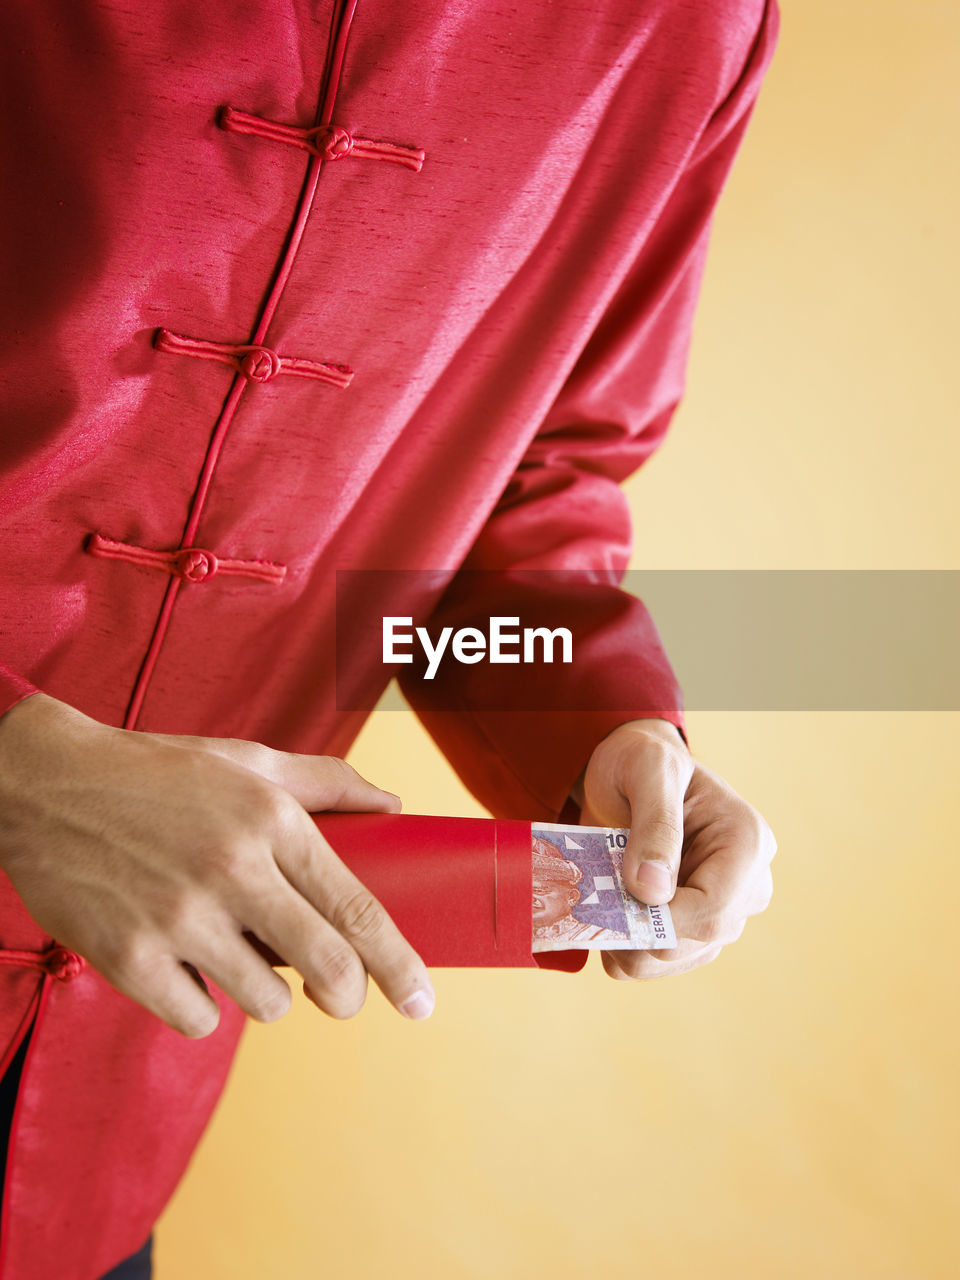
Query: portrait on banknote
{"type": "Point", "coordinates": [579, 898]}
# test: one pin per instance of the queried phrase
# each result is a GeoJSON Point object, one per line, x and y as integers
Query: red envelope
{"type": "Point", "coordinates": [459, 889]}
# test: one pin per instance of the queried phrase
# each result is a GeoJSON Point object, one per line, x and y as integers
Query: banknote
{"type": "Point", "coordinates": [579, 898]}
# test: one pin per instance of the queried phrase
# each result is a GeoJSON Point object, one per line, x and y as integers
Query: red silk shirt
{"type": "Point", "coordinates": [295, 288]}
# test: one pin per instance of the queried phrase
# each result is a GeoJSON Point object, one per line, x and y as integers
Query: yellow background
{"type": "Point", "coordinates": [788, 1111]}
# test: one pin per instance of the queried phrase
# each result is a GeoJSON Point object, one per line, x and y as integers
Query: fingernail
{"type": "Point", "coordinates": [654, 879]}
{"type": "Point", "coordinates": [420, 1005]}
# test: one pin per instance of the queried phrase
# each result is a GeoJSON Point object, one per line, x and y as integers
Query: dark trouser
{"type": "Point", "coordinates": [138, 1266]}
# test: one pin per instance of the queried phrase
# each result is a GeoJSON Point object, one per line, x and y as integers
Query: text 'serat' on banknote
{"type": "Point", "coordinates": [579, 898]}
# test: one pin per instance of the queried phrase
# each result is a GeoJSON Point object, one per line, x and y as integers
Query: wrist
{"type": "Point", "coordinates": [33, 734]}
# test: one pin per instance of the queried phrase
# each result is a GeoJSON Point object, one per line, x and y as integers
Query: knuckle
{"type": "Point", "coordinates": [249, 755]}
{"type": "Point", "coordinates": [763, 838]}
{"type": "Point", "coordinates": [273, 807]}
{"type": "Point", "coordinates": [174, 914]}
{"type": "Point", "coordinates": [663, 828]}
{"type": "Point", "coordinates": [130, 955]}
{"type": "Point", "coordinates": [338, 775]}
{"type": "Point", "coordinates": [711, 929]}
{"type": "Point", "coordinates": [337, 766]}
{"type": "Point", "coordinates": [251, 762]}
{"type": "Point", "coordinates": [646, 738]}
{"type": "Point", "coordinates": [223, 861]}
{"type": "Point", "coordinates": [253, 755]}
{"type": "Point", "coordinates": [336, 969]}
{"type": "Point", "coordinates": [646, 751]}
{"type": "Point", "coordinates": [360, 917]}
{"type": "Point", "coordinates": [667, 759]}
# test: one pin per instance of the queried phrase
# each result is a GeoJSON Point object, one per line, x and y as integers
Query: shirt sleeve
{"type": "Point", "coordinates": [558, 542]}
{"type": "Point", "coordinates": [13, 689]}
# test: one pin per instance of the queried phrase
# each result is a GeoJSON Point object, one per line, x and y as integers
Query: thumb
{"type": "Point", "coordinates": [324, 783]}
{"type": "Point", "coordinates": [319, 783]}
{"type": "Point", "coordinates": [651, 859]}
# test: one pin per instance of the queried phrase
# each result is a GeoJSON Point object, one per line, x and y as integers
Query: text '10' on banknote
{"type": "Point", "coordinates": [579, 898]}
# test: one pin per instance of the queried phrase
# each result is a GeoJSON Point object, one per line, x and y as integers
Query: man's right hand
{"type": "Point", "coordinates": [152, 855]}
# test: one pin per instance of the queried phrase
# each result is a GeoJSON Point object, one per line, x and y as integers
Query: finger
{"type": "Point", "coordinates": [612, 966]}
{"type": "Point", "coordinates": [632, 962]}
{"type": "Point", "coordinates": [730, 884]}
{"type": "Point", "coordinates": [648, 964]}
{"type": "Point", "coordinates": [313, 868]}
{"type": "Point", "coordinates": [158, 981]}
{"type": "Point", "coordinates": [686, 947]}
{"type": "Point", "coordinates": [319, 783]}
{"type": "Point", "coordinates": [644, 966]}
{"type": "Point", "coordinates": [654, 785]}
{"type": "Point", "coordinates": [323, 783]}
{"type": "Point", "coordinates": [240, 971]}
{"type": "Point", "coordinates": [330, 967]}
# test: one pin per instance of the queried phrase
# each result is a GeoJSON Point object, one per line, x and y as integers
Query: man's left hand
{"type": "Point", "coordinates": [694, 843]}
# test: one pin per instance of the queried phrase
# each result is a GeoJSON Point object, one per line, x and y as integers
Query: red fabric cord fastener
{"type": "Point", "coordinates": [341, 20]}
{"type": "Point", "coordinates": [325, 140]}
{"type": "Point", "coordinates": [255, 362]}
{"type": "Point", "coordinates": [58, 961]}
{"type": "Point", "coordinates": [192, 564]}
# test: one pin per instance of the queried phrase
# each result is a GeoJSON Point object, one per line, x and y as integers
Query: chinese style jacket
{"type": "Point", "coordinates": [297, 287]}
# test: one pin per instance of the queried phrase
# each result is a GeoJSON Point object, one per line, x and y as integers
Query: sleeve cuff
{"type": "Point", "coordinates": [13, 689]}
{"type": "Point", "coordinates": [520, 735]}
